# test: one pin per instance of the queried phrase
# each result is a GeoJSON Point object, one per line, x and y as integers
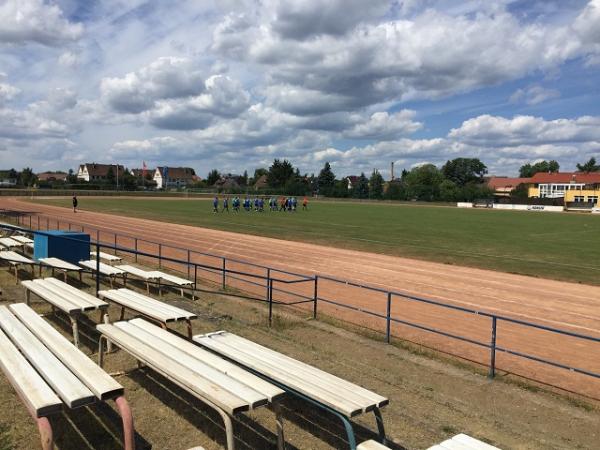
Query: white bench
{"type": "Point", "coordinates": [16, 260]}
{"type": "Point", "coordinates": [224, 386]}
{"type": "Point", "coordinates": [47, 371]}
{"type": "Point", "coordinates": [181, 283]}
{"type": "Point", "coordinates": [106, 256]}
{"type": "Point", "coordinates": [111, 272]}
{"type": "Point", "coordinates": [371, 445]}
{"type": "Point", "coordinates": [340, 397]}
{"type": "Point", "coordinates": [68, 299]}
{"type": "Point", "coordinates": [10, 242]}
{"type": "Point", "coordinates": [147, 276]}
{"type": "Point", "coordinates": [148, 307]}
{"type": "Point", "coordinates": [60, 265]}
{"type": "Point", "coordinates": [463, 442]}
{"type": "Point", "coordinates": [22, 239]}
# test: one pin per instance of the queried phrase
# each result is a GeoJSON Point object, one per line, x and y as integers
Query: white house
{"type": "Point", "coordinates": [166, 177]}
{"type": "Point", "coordinates": [98, 172]}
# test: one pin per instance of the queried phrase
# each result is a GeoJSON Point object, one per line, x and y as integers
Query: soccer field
{"type": "Point", "coordinates": [549, 245]}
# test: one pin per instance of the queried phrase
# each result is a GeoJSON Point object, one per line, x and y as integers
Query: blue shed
{"type": "Point", "coordinates": [69, 246]}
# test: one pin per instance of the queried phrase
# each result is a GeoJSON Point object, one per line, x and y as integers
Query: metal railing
{"type": "Point", "coordinates": [277, 281]}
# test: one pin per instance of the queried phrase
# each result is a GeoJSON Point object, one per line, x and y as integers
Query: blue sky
{"type": "Point", "coordinates": [233, 84]}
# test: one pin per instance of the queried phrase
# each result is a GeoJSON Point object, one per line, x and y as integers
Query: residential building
{"type": "Point", "coordinates": [52, 176]}
{"type": "Point", "coordinates": [503, 186]}
{"type": "Point", "coordinates": [8, 178]}
{"type": "Point", "coordinates": [587, 196]}
{"type": "Point", "coordinates": [173, 177]}
{"type": "Point", "coordinates": [229, 182]}
{"type": "Point", "coordinates": [261, 183]}
{"type": "Point", "coordinates": [556, 185]}
{"type": "Point", "coordinates": [352, 180]}
{"type": "Point", "coordinates": [98, 172]}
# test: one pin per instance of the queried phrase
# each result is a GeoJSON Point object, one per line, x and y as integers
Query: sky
{"type": "Point", "coordinates": [233, 84]}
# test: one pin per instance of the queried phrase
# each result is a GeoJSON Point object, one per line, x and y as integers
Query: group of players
{"type": "Point", "coordinates": [258, 204]}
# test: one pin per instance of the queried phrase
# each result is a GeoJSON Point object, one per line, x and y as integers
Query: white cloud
{"type": "Point", "coordinates": [35, 21]}
{"type": "Point", "coordinates": [385, 126]}
{"type": "Point", "coordinates": [533, 95]}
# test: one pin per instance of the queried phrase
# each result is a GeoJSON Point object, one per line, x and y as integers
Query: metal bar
{"type": "Point", "coordinates": [388, 319]}
{"type": "Point", "coordinates": [136, 249]}
{"type": "Point", "coordinates": [268, 283]}
{"type": "Point", "coordinates": [115, 246]}
{"type": "Point", "coordinates": [270, 302]}
{"type": "Point", "coordinates": [188, 263]}
{"type": "Point", "coordinates": [159, 256]}
{"type": "Point", "coordinates": [195, 276]}
{"type": "Point", "coordinates": [492, 372]}
{"type": "Point", "coordinates": [315, 296]}
{"type": "Point", "coordinates": [97, 267]}
{"type": "Point", "coordinates": [223, 282]}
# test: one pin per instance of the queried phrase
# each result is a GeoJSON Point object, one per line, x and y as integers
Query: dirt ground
{"type": "Point", "coordinates": [563, 305]}
{"type": "Point", "coordinates": [430, 399]}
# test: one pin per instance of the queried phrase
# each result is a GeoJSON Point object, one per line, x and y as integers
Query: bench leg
{"type": "Point", "coordinates": [16, 274]}
{"type": "Point", "coordinates": [380, 427]}
{"type": "Point", "coordinates": [108, 343]}
{"type": "Point", "coordinates": [127, 417]}
{"type": "Point", "coordinates": [75, 330]}
{"type": "Point", "coordinates": [122, 313]}
{"type": "Point", "coordinates": [279, 423]}
{"type": "Point", "coordinates": [101, 351]}
{"type": "Point", "coordinates": [80, 278]}
{"type": "Point", "coordinates": [28, 297]}
{"type": "Point", "coordinates": [189, 328]}
{"type": "Point", "coordinates": [45, 433]}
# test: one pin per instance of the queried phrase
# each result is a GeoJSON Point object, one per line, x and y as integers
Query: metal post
{"type": "Point", "coordinates": [115, 247]}
{"type": "Point", "coordinates": [270, 303]}
{"type": "Point", "coordinates": [97, 235]}
{"type": "Point", "coordinates": [268, 282]}
{"type": "Point", "coordinates": [388, 318]}
{"type": "Point", "coordinates": [30, 221]}
{"type": "Point", "coordinates": [188, 264]}
{"type": "Point", "coordinates": [492, 372]}
{"type": "Point", "coordinates": [97, 267]}
{"type": "Point", "coordinates": [315, 296]}
{"type": "Point", "coordinates": [159, 256]}
{"type": "Point", "coordinates": [38, 227]}
{"type": "Point", "coordinates": [69, 226]}
{"type": "Point", "coordinates": [57, 224]}
{"type": "Point", "coordinates": [224, 272]}
{"type": "Point", "coordinates": [195, 276]}
{"type": "Point", "coordinates": [47, 223]}
{"type": "Point", "coordinates": [136, 249]}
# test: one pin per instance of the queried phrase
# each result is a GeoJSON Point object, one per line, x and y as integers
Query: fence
{"type": "Point", "coordinates": [389, 312]}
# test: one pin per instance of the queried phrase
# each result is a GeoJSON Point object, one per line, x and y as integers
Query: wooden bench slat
{"type": "Point", "coordinates": [371, 445]}
{"type": "Point", "coordinates": [146, 305]}
{"type": "Point", "coordinates": [270, 391]}
{"type": "Point", "coordinates": [174, 371]}
{"type": "Point", "coordinates": [173, 279]}
{"type": "Point", "coordinates": [39, 399]}
{"type": "Point", "coordinates": [473, 443]}
{"type": "Point", "coordinates": [162, 305]}
{"type": "Point", "coordinates": [310, 375]}
{"type": "Point", "coordinates": [231, 385]}
{"type": "Point", "coordinates": [15, 258]}
{"type": "Point", "coordinates": [97, 380]}
{"type": "Point", "coordinates": [51, 297]}
{"type": "Point", "coordinates": [136, 271]}
{"type": "Point", "coordinates": [293, 380]}
{"type": "Point", "coordinates": [105, 269]}
{"type": "Point", "coordinates": [82, 297]}
{"type": "Point", "coordinates": [57, 263]}
{"type": "Point", "coordinates": [72, 391]}
{"type": "Point", "coordinates": [106, 256]}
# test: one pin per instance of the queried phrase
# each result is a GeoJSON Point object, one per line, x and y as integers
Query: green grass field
{"type": "Point", "coordinates": [548, 245]}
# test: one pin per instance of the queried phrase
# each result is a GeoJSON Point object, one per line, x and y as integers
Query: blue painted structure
{"type": "Point", "coordinates": [66, 245]}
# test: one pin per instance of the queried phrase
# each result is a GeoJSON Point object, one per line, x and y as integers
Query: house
{"type": "Point", "coordinates": [229, 182]}
{"type": "Point", "coordinates": [8, 178]}
{"type": "Point", "coordinates": [98, 172]}
{"type": "Point", "coordinates": [261, 183]}
{"type": "Point", "coordinates": [167, 177]}
{"type": "Point", "coordinates": [556, 185]}
{"type": "Point", "coordinates": [352, 180]}
{"type": "Point", "coordinates": [52, 176]}
{"type": "Point", "coordinates": [503, 186]}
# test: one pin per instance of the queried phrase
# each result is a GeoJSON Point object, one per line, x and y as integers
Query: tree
{"type": "Point", "coordinates": [130, 181]}
{"type": "Point", "coordinates": [213, 177]}
{"type": "Point", "coordinates": [26, 177]}
{"type": "Point", "coordinates": [376, 185]}
{"type": "Point", "coordinates": [448, 191]}
{"type": "Point", "coordinates": [110, 175]}
{"type": "Point", "coordinates": [279, 173]}
{"type": "Point", "coordinates": [71, 177]}
{"type": "Point", "coordinates": [529, 170]}
{"type": "Point", "coordinates": [361, 190]}
{"type": "Point", "coordinates": [244, 180]}
{"type": "Point", "coordinates": [395, 191]}
{"type": "Point", "coordinates": [589, 166]}
{"type": "Point", "coordinates": [462, 171]}
{"type": "Point", "coordinates": [325, 180]}
{"type": "Point", "coordinates": [423, 182]}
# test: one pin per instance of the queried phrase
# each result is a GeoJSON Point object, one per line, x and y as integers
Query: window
{"type": "Point", "coordinates": [592, 199]}
{"type": "Point", "coordinates": [579, 198]}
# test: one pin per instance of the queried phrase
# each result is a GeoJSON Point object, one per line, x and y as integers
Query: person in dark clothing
{"type": "Point", "coordinates": [75, 203]}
